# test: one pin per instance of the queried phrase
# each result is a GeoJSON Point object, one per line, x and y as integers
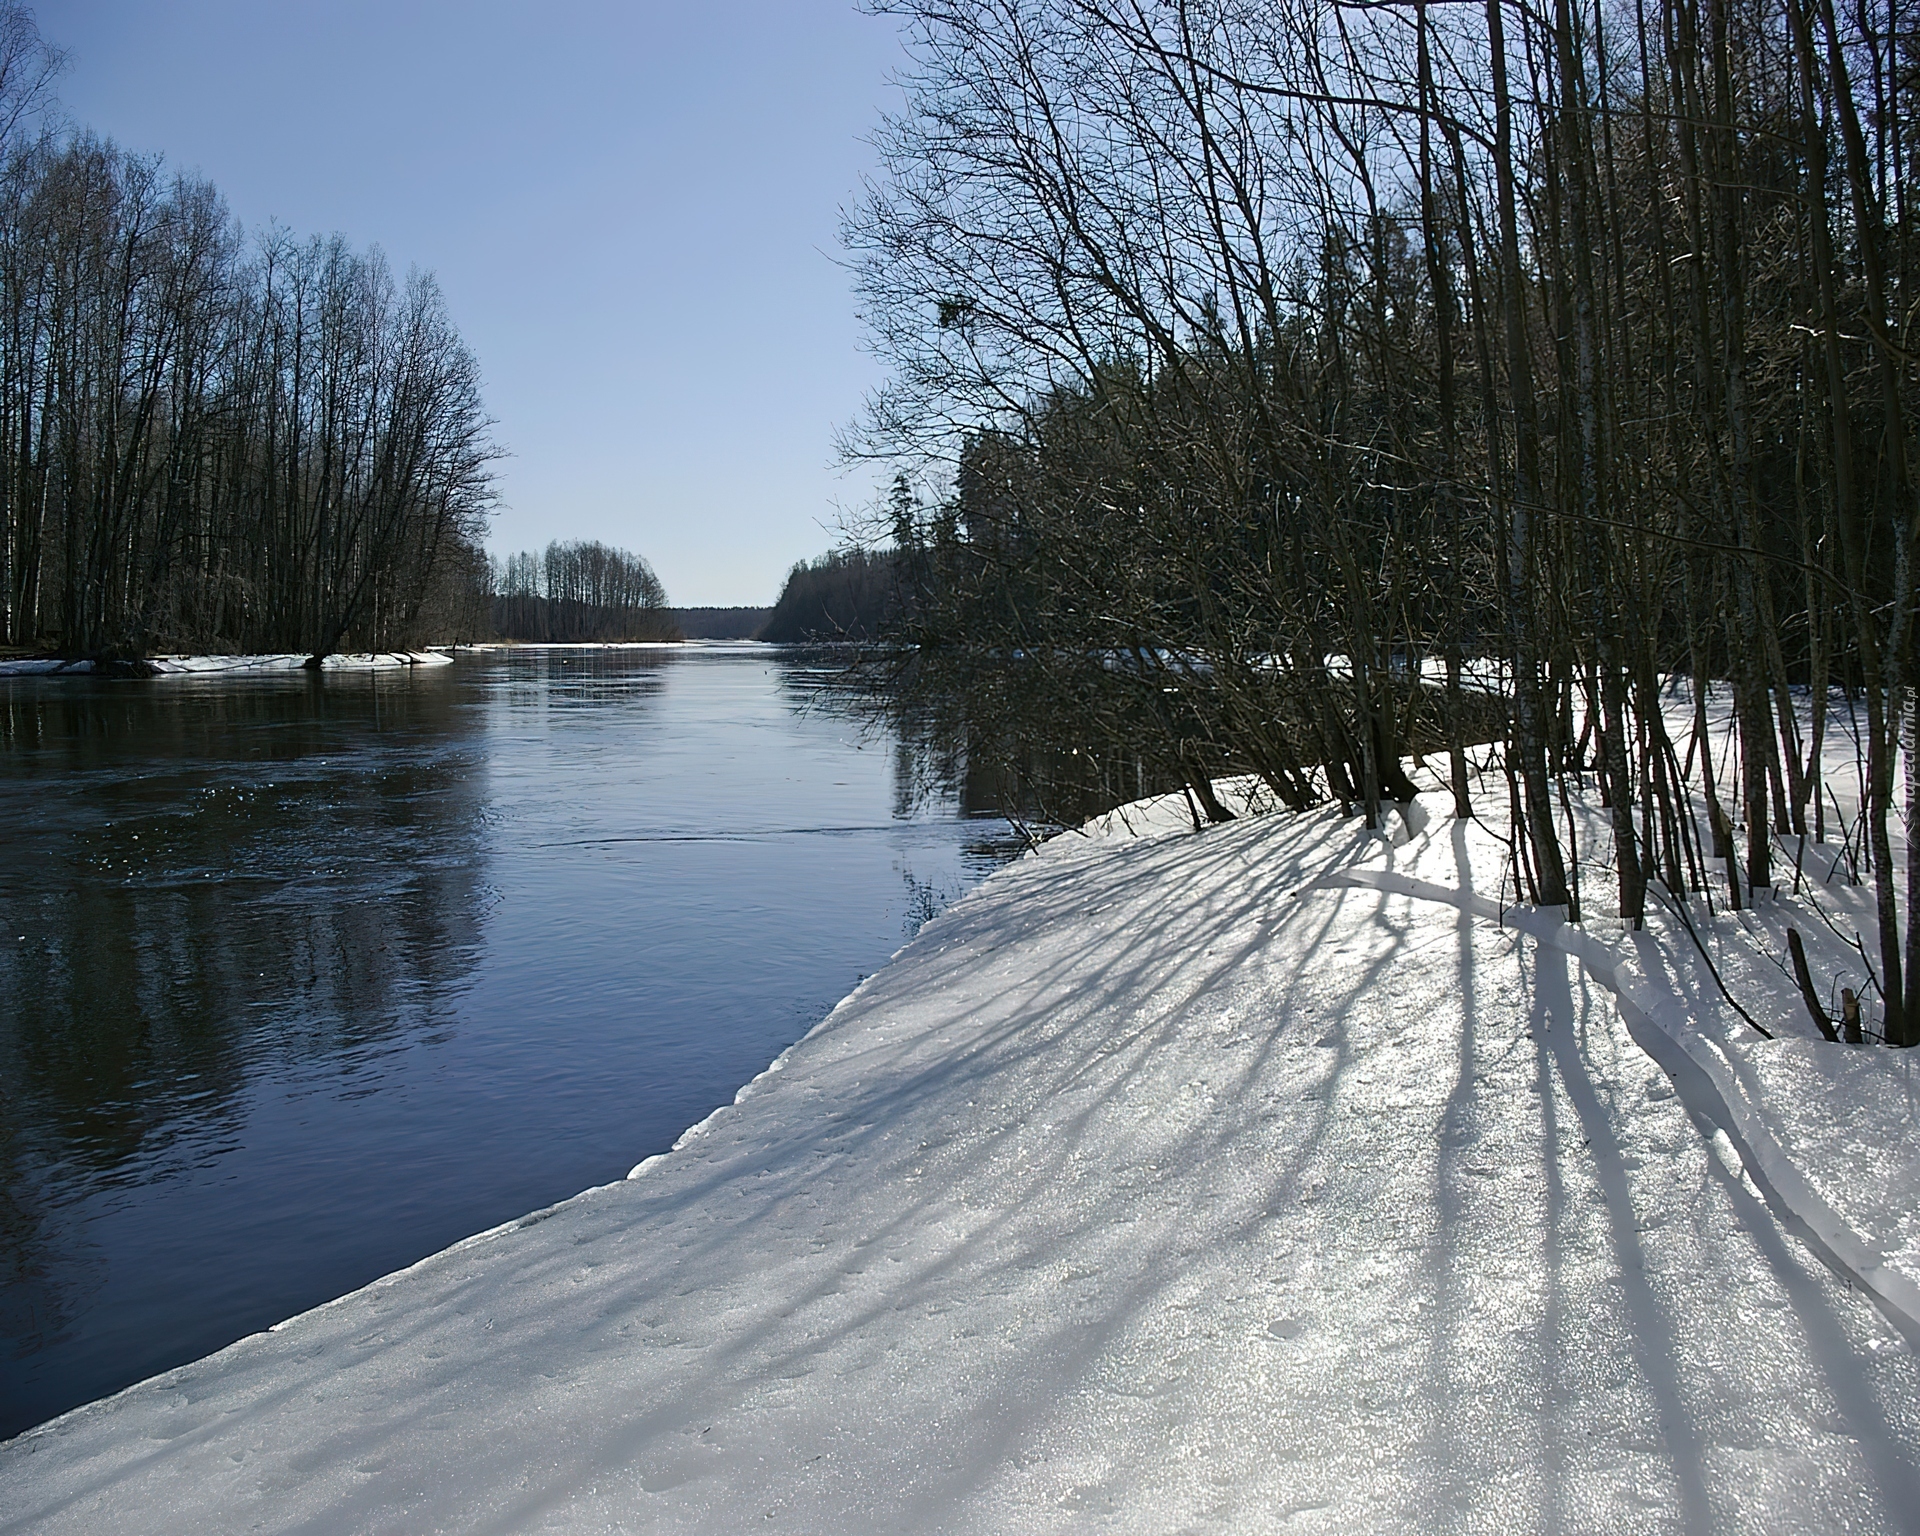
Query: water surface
{"type": "Point", "coordinates": [303, 978]}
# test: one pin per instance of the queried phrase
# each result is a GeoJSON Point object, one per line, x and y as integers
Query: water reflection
{"type": "Point", "coordinates": [204, 884]}
{"type": "Point", "coordinates": [995, 740]}
{"type": "Point", "coordinates": [303, 978]}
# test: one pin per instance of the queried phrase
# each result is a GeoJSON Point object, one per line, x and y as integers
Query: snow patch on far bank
{"type": "Point", "coordinates": [208, 666]}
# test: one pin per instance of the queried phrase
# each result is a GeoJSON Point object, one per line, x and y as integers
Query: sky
{"type": "Point", "coordinates": [632, 207]}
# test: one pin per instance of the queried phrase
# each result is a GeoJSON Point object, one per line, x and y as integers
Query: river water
{"type": "Point", "coordinates": [303, 978]}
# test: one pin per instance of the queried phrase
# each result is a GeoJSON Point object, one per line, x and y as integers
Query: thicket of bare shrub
{"type": "Point", "coordinates": [1260, 360]}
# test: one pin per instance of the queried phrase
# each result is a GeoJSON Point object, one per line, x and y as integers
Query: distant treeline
{"type": "Point", "coordinates": [579, 592]}
{"type": "Point", "coordinates": [210, 440]}
{"type": "Point", "coordinates": [851, 594]}
{"type": "Point", "coordinates": [720, 623]}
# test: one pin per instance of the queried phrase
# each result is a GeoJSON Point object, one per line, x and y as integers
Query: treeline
{"type": "Point", "coordinates": [1279, 358]}
{"type": "Point", "coordinates": [579, 592]}
{"type": "Point", "coordinates": [720, 623]}
{"type": "Point", "coordinates": [210, 440]}
{"type": "Point", "coordinates": [848, 594]}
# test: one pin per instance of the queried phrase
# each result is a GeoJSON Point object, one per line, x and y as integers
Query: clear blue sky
{"type": "Point", "coordinates": [632, 206]}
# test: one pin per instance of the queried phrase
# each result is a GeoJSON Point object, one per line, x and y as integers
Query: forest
{"type": "Point", "coordinates": [212, 439]}
{"type": "Point", "coordinates": [579, 592]}
{"type": "Point", "coordinates": [850, 594]}
{"type": "Point", "coordinates": [1282, 384]}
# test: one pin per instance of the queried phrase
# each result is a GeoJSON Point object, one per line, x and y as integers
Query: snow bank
{"type": "Point", "coordinates": [1166, 1182]}
{"type": "Point", "coordinates": [200, 666]}
{"type": "Point", "coordinates": [356, 661]}
{"type": "Point", "coordinates": [41, 666]}
{"type": "Point", "coordinates": [1830, 1133]}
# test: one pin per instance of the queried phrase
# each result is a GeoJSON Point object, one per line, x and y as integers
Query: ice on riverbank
{"type": "Point", "coordinates": [348, 661]}
{"type": "Point", "coordinates": [208, 666]}
{"type": "Point", "coordinates": [1282, 1177]}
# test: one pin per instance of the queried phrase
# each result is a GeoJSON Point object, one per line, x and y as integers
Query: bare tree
{"type": "Point", "coordinates": [1190, 299]}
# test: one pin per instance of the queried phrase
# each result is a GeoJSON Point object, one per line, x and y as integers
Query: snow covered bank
{"type": "Point", "coordinates": [1168, 1181]}
{"type": "Point", "coordinates": [202, 666]}
{"type": "Point", "coordinates": [1832, 1134]}
{"type": "Point", "coordinates": [352, 661]}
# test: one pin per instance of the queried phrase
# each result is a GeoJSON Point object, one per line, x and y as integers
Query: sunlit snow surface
{"type": "Point", "coordinates": [1162, 1184]}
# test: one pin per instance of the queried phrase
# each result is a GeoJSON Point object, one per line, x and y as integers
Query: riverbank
{"type": "Point", "coordinates": [221, 666]}
{"type": "Point", "coordinates": [1282, 1176]}
{"type": "Point", "coordinates": [345, 661]}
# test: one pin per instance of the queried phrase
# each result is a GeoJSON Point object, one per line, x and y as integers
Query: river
{"type": "Point", "coordinates": [303, 978]}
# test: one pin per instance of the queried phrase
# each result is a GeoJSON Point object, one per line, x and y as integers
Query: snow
{"type": "Point", "coordinates": [195, 666]}
{"type": "Point", "coordinates": [40, 666]}
{"type": "Point", "coordinates": [1281, 1177]}
{"type": "Point", "coordinates": [355, 661]}
{"type": "Point", "coordinates": [1804, 1115]}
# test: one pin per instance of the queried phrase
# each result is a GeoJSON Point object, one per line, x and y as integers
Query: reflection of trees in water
{"type": "Point", "coordinates": [932, 766]}
{"type": "Point", "coordinates": [998, 738]}
{"type": "Point", "coordinates": [561, 677]}
{"type": "Point", "coordinates": [201, 886]}
{"type": "Point", "coordinates": [1051, 742]}
{"type": "Point", "coordinates": [954, 742]}
{"type": "Point", "coordinates": [814, 677]}
{"type": "Point", "coordinates": [926, 899]}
